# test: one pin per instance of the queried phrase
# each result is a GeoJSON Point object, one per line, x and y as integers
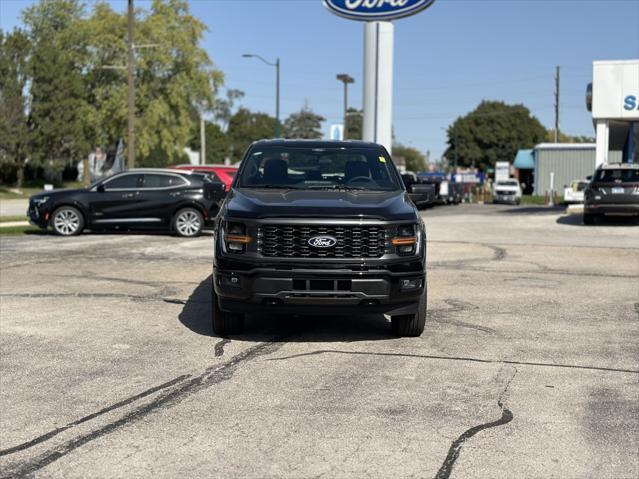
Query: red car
{"type": "Point", "coordinates": [222, 173]}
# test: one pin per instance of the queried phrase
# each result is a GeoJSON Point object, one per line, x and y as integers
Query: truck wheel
{"type": "Point", "coordinates": [225, 323]}
{"type": "Point", "coordinates": [589, 219]}
{"type": "Point", "coordinates": [411, 324]}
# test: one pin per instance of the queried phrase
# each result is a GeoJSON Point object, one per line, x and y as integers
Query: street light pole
{"type": "Point", "coordinates": [277, 98]}
{"type": "Point", "coordinates": [131, 88]}
{"type": "Point", "coordinates": [346, 79]}
{"type": "Point", "coordinates": [277, 87]}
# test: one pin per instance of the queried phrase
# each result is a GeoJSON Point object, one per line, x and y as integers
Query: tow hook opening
{"type": "Point", "coordinates": [369, 302]}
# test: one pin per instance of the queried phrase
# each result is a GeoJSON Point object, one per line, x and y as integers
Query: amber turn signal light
{"type": "Point", "coordinates": [237, 239]}
{"type": "Point", "coordinates": [403, 241]}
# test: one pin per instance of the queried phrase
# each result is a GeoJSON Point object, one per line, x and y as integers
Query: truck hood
{"type": "Point", "coordinates": [258, 203]}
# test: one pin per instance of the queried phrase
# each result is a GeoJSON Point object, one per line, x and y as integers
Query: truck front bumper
{"type": "Point", "coordinates": [319, 291]}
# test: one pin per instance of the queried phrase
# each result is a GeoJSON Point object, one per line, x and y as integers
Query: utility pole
{"type": "Point", "coordinates": [131, 88]}
{"type": "Point", "coordinates": [346, 79]}
{"type": "Point", "coordinates": [557, 105]}
{"type": "Point", "coordinates": [202, 141]}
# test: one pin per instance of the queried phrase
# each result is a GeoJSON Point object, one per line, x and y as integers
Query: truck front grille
{"type": "Point", "coordinates": [292, 241]}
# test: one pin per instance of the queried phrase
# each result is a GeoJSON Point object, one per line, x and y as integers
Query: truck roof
{"type": "Point", "coordinates": [317, 143]}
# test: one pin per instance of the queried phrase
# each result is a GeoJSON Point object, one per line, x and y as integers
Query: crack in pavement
{"type": "Point", "coordinates": [133, 297]}
{"type": "Point", "coordinates": [456, 306]}
{"type": "Point", "coordinates": [455, 448]}
{"type": "Point", "coordinates": [457, 358]}
{"type": "Point", "coordinates": [117, 405]}
{"type": "Point", "coordinates": [219, 347]}
{"type": "Point", "coordinates": [499, 254]}
{"type": "Point", "coordinates": [543, 245]}
{"type": "Point", "coordinates": [463, 267]}
{"type": "Point", "coordinates": [111, 279]}
{"type": "Point", "coordinates": [183, 388]}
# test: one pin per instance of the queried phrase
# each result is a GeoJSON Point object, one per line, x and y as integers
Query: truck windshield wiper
{"type": "Point", "coordinates": [277, 187]}
{"type": "Point", "coordinates": [338, 187]}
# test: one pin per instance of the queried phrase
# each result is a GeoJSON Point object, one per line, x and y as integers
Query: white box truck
{"type": "Point", "coordinates": [502, 171]}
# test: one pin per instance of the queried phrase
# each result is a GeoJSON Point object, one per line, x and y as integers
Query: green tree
{"type": "Point", "coordinates": [59, 131]}
{"type": "Point", "coordinates": [218, 143]}
{"type": "Point", "coordinates": [494, 131]}
{"type": "Point", "coordinates": [565, 138]}
{"type": "Point", "coordinates": [354, 124]}
{"type": "Point", "coordinates": [223, 109]}
{"type": "Point", "coordinates": [14, 48]}
{"type": "Point", "coordinates": [414, 159]}
{"type": "Point", "coordinates": [245, 127]}
{"type": "Point", "coordinates": [175, 79]}
{"type": "Point", "coordinates": [304, 124]}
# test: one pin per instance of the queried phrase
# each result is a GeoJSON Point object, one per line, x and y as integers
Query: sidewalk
{"type": "Point", "coordinates": [14, 207]}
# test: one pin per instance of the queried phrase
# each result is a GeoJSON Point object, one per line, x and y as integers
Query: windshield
{"type": "Point", "coordinates": [318, 168]}
{"type": "Point", "coordinates": [507, 183]}
{"type": "Point", "coordinates": [630, 175]}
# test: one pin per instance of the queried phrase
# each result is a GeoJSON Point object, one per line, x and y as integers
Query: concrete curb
{"type": "Point", "coordinates": [9, 224]}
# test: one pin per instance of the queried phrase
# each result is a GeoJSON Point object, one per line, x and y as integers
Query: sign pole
{"type": "Point", "coordinates": [378, 83]}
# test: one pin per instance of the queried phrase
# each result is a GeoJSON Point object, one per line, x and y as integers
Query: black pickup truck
{"type": "Point", "coordinates": [319, 227]}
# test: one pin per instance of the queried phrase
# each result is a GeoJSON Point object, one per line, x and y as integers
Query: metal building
{"type": "Point", "coordinates": [566, 162]}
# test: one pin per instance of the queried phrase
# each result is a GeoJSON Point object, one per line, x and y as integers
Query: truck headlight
{"type": "Point", "coordinates": [235, 237]}
{"type": "Point", "coordinates": [406, 240]}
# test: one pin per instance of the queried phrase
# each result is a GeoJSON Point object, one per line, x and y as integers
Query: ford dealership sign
{"type": "Point", "coordinates": [371, 10]}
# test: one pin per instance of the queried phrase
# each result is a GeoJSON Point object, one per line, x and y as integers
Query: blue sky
{"type": "Point", "coordinates": [447, 58]}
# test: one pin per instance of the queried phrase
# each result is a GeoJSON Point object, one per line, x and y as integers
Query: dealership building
{"type": "Point", "coordinates": [613, 99]}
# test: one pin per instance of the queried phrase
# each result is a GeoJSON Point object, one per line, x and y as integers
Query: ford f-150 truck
{"type": "Point", "coordinates": [319, 227]}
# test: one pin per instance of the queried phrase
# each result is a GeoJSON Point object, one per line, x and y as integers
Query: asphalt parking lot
{"type": "Point", "coordinates": [529, 365]}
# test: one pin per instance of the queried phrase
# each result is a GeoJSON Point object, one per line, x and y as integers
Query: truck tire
{"type": "Point", "coordinates": [225, 323]}
{"type": "Point", "coordinates": [589, 219]}
{"type": "Point", "coordinates": [411, 325]}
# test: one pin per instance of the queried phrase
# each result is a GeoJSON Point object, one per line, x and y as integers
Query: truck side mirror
{"type": "Point", "coordinates": [216, 190]}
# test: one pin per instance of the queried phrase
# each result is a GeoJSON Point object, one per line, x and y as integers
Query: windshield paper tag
{"type": "Point", "coordinates": [382, 159]}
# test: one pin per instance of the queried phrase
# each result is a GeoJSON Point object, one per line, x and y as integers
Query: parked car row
{"type": "Point", "coordinates": [178, 200]}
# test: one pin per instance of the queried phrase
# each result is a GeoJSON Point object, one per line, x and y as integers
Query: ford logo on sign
{"type": "Point", "coordinates": [370, 10]}
{"type": "Point", "coordinates": [324, 241]}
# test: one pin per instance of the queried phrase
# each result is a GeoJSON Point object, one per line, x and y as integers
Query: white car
{"type": "Point", "coordinates": [507, 191]}
{"type": "Point", "coordinates": [575, 193]}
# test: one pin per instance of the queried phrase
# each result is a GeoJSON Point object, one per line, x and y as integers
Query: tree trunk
{"type": "Point", "coordinates": [20, 175]}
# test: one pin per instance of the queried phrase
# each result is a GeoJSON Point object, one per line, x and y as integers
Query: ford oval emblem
{"type": "Point", "coordinates": [370, 10]}
{"type": "Point", "coordinates": [324, 241]}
